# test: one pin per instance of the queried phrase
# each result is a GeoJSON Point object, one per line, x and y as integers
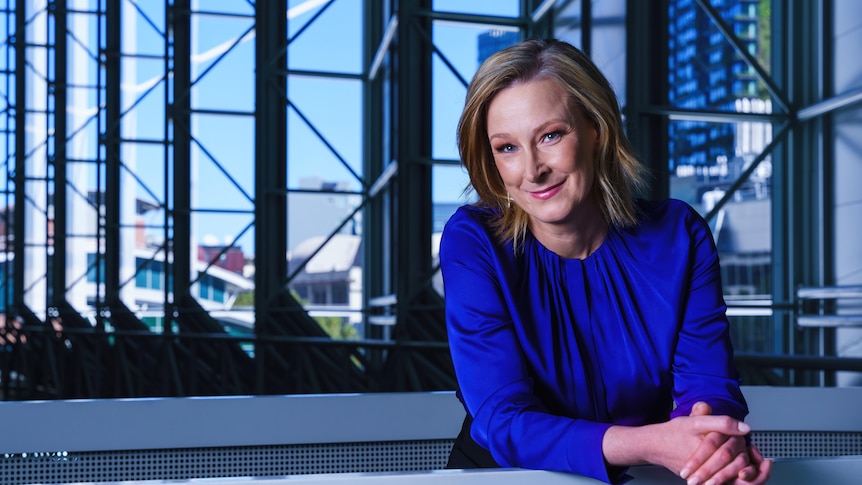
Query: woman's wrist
{"type": "Point", "coordinates": [628, 445]}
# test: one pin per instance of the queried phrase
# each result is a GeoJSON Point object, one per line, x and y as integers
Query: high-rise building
{"type": "Point", "coordinates": [706, 73]}
{"type": "Point", "coordinates": [493, 41]}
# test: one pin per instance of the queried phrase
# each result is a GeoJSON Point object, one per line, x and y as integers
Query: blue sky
{"type": "Point", "coordinates": [223, 80]}
{"type": "Point", "coordinates": [333, 107]}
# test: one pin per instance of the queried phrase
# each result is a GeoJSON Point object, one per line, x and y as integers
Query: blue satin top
{"type": "Point", "coordinates": [549, 352]}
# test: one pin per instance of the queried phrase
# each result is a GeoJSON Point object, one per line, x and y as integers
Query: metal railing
{"type": "Point", "coordinates": [826, 314]}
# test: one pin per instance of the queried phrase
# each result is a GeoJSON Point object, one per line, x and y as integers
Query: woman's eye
{"type": "Point", "coordinates": [505, 148]}
{"type": "Point", "coordinates": [551, 136]}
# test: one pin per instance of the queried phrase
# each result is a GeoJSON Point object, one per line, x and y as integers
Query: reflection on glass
{"type": "Point", "coordinates": [753, 333]}
{"type": "Point", "coordinates": [740, 220]}
{"type": "Point", "coordinates": [706, 160]}
{"type": "Point", "coordinates": [756, 334]}
{"type": "Point", "coordinates": [704, 68]}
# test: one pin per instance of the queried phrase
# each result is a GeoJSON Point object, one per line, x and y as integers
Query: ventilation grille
{"type": "Point", "coordinates": [274, 461]}
{"type": "Point", "coordinates": [255, 461]}
{"type": "Point", "coordinates": [797, 444]}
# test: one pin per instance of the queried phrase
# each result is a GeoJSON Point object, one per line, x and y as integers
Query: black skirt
{"type": "Point", "coordinates": [466, 453]}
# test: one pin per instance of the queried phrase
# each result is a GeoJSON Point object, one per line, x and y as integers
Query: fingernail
{"type": "Point", "coordinates": [691, 481]}
{"type": "Point", "coordinates": [744, 427]}
{"type": "Point", "coordinates": [709, 482]}
{"type": "Point", "coordinates": [684, 473]}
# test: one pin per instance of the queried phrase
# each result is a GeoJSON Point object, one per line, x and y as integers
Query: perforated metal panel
{"type": "Point", "coordinates": [274, 461]}
{"type": "Point", "coordinates": [796, 444]}
{"type": "Point", "coordinates": [256, 461]}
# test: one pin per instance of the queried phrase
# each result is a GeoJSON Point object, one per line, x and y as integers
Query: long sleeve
{"type": "Point", "coordinates": [550, 352]}
{"type": "Point", "coordinates": [703, 366]}
{"type": "Point", "coordinates": [494, 378]}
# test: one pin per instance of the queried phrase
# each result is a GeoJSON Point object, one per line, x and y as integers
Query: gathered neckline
{"type": "Point", "coordinates": [543, 249]}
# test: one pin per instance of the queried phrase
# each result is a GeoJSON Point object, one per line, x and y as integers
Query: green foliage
{"type": "Point", "coordinates": [764, 40]}
{"type": "Point", "coordinates": [335, 327]}
{"type": "Point", "coordinates": [245, 299]}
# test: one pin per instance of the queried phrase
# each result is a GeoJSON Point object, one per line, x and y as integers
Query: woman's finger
{"type": "Point", "coordinates": [725, 464]}
{"type": "Point", "coordinates": [701, 408]}
{"type": "Point", "coordinates": [720, 424]}
{"type": "Point", "coordinates": [710, 443]}
{"type": "Point", "coordinates": [763, 469]}
{"type": "Point", "coordinates": [748, 473]}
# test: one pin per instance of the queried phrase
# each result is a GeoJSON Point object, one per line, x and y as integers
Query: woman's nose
{"type": "Point", "coordinates": [535, 166]}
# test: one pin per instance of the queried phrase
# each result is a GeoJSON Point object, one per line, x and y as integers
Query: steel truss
{"type": "Point", "coordinates": [78, 174]}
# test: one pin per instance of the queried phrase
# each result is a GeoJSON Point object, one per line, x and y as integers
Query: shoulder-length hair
{"type": "Point", "coordinates": [618, 174]}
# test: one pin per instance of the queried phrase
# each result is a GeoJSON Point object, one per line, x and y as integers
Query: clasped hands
{"type": "Point", "coordinates": [720, 452]}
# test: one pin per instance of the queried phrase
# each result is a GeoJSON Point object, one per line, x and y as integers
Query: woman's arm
{"type": "Point", "coordinates": [703, 366]}
{"type": "Point", "coordinates": [508, 418]}
{"type": "Point", "coordinates": [707, 462]}
{"type": "Point", "coordinates": [668, 444]}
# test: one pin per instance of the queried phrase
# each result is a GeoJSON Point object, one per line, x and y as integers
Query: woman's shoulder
{"type": "Point", "coordinates": [669, 219]}
{"type": "Point", "coordinates": [662, 209]}
{"type": "Point", "coordinates": [663, 213]}
{"type": "Point", "coordinates": [470, 216]}
{"type": "Point", "coordinates": [669, 231]}
{"type": "Point", "coordinates": [469, 225]}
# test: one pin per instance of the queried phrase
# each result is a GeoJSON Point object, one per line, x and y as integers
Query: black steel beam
{"type": "Point", "coordinates": [111, 57]}
{"type": "Point", "coordinates": [57, 289]}
{"type": "Point", "coordinates": [20, 172]}
{"type": "Point", "coordinates": [646, 84]}
{"type": "Point", "coordinates": [270, 161]}
{"type": "Point", "coordinates": [179, 115]}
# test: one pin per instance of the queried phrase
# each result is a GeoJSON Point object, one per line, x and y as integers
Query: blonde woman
{"type": "Point", "coordinates": [587, 326]}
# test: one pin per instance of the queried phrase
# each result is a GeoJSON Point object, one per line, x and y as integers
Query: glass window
{"type": "Point", "coordinates": [312, 25]}
{"type": "Point", "coordinates": [91, 268]}
{"type": "Point", "coordinates": [720, 168]}
{"type": "Point", "coordinates": [302, 291]}
{"type": "Point", "coordinates": [142, 279]}
{"type": "Point", "coordinates": [319, 294]}
{"type": "Point", "coordinates": [694, 36]}
{"type": "Point", "coordinates": [502, 8]}
{"type": "Point", "coordinates": [462, 48]}
{"type": "Point", "coordinates": [339, 293]}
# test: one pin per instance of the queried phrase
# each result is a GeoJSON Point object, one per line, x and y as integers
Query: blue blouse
{"type": "Point", "coordinates": [549, 352]}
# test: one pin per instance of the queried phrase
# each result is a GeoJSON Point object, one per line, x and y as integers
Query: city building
{"type": "Point", "coordinates": [705, 72]}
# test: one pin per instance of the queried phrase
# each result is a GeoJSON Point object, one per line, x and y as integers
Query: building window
{"type": "Point", "coordinates": [318, 294]}
{"type": "Point", "coordinates": [340, 294]}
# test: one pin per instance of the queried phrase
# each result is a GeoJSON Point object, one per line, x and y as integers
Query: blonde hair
{"type": "Point", "coordinates": [618, 174]}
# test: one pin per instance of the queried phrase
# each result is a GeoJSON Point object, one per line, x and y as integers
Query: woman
{"type": "Point", "coordinates": [587, 327]}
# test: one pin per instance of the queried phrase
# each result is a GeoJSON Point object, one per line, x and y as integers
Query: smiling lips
{"type": "Point", "coordinates": [547, 193]}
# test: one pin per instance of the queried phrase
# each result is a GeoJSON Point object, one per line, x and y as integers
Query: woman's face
{"type": "Point", "coordinates": [544, 153]}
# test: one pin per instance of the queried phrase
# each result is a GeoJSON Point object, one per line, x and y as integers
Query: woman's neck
{"type": "Point", "coordinates": [574, 239]}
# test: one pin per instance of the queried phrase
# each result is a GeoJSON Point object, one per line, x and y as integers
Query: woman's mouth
{"type": "Point", "coordinates": [547, 193]}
